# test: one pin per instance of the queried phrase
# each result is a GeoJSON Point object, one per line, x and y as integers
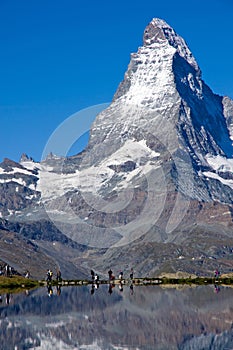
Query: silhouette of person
{"type": "Point", "coordinates": [49, 275]}
{"type": "Point", "coordinates": [131, 289]}
{"type": "Point", "coordinates": [7, 270]}
{"type": "Point", "coordinates": [92, 289]}
{"type": "Point", "coordinates": [27, 274]}
{"type": "Point", "coordinates": [110, 274]}
{"type": "Point", "coordinates": [58, 277]}
{"type": "Point", "coordinates": [216, 273]}
{"type": "Point", "coordinates": [110, 289]}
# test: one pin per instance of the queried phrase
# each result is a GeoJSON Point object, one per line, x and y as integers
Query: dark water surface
{"type": "Point", "coordinates": [148, 318]}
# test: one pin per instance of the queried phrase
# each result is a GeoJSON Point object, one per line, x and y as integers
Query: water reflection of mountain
{"type": "Point", "coordinates": [150, 318]}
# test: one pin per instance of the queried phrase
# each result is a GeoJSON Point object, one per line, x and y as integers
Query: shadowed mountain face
{"type": "Point", "coordinates": [143, 318]}
{"type": "Point", "coordinates": [157, 171]}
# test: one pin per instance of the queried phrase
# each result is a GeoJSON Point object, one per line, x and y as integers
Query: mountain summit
{"type": "Point", "coordinates": [157, 171]}
{"type": "Point", "coordinates": [164, 103]}
{"type": "Point", "coordinates": [155, 57]}
{"type": "Point", "coordinates": [159, 31]}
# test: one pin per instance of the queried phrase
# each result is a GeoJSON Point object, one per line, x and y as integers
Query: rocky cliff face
{"type": "Point", "coordinates": [158, 166]}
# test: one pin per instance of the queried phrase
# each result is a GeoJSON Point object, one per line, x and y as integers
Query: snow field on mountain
{"type": "Point", "coordinates": [152, 78]}
{"type": "Point", "coordinates": [220, 163]}
{"type": "Point", "coordinates": [209, 174]}
{"type": "Point", "coordinates": [92, 179]}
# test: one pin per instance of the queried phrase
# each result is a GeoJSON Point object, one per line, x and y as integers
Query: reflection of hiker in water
{"type": "Point", "coordinates": [8, 298]}
{"type": "Point", "coordinates": [58, 290]}
{"type": "Point", "coordinates": [50, 290]}
{"type": "Point", "coordinates": [0, 299]}
{"type": "Point", "coordinates": [111, 286]}
{"type": "Point", "coordinates": [121, 287]}
{"type": "Point", "coordinates": [92, 289]}
{"type": "Point", "coordinates": [216, 288]}
{"type": "Point", "coordinates": [131, 289]}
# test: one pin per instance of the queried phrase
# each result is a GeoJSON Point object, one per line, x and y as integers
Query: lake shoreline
{"type": "Point", "coordinates": [17, 282]}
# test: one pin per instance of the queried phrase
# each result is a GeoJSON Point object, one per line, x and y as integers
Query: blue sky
{"type": "Point", "coordinates": [58, 57]}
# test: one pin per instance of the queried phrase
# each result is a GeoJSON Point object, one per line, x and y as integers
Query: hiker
{"type": "Point", "coordinates": [92, 275]}
{"type": "Point", "coordinates": [110, 274]}
{"type": "Point", "coordinates": [58, 277]}
{"type": "Point", "coordinates": [131, 274]}
{"type": "Point", "coordinates": [27, 274]}
{"type": "Point", "coordinates": [7, 270]}
{"type": "Point", "coordinates": [120, 275]}
{"type": "Point", "coordinates": [48, 279]}
{"type": "Point", "coordinates": [96, 278]}
{"type": "Point", "coordinates": [10, 271]}
{"type": "Point", "coordinates": [49, 275]}
{"type": "Point", "coordinates": [216, 273]}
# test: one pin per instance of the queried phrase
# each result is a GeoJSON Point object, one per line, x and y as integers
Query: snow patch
{"type": "Point", "coordinates": [19, 181]}
{"type": "Point", "coordinates": [220, 163]}
{"type": "Point", "coordinates": [209, 174]}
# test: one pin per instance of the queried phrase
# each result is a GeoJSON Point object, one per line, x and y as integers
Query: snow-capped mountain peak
{"type": "Point", "coordinates": [163, 98]}
{"type": "Point", "coordinates": [158, 31]}
{"type": "Point", "coordinates": [149, 79]}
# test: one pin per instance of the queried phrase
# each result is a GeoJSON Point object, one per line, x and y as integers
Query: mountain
{"type": "Point", "coordinates": [154, 186]}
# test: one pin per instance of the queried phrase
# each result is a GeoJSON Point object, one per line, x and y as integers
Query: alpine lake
{"type": "Point", "coordinates": [118, 316]}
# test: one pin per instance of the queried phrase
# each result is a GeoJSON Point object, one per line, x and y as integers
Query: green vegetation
{"type": "Point", "coordinates": [17, 284]}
